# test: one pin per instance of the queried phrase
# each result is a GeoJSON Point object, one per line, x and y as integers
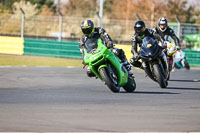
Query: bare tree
{"type": "Point", "coordinates": [83, 8]}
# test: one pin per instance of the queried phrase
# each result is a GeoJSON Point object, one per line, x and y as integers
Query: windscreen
{"type": "Point", "coordinates": [91, 44]}
{"type": "Point", "coordinates": [148, 40]}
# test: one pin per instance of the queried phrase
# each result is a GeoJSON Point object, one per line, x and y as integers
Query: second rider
{"type": "Point", "coordinates": [140, 32]}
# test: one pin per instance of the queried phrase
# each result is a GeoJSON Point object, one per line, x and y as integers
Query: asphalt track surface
{"type": "Point", "coordinates": [45, 99]}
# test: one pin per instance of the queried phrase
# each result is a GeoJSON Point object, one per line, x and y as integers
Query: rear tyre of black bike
{"type": "Point", "coordinates": [109, 81]}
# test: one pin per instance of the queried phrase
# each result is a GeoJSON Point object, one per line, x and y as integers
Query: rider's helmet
{"type": "Point", "coordinates": [162, 24]}
{"type": "Point", "coordinates": [140, 27]}
{"type": "Point", "coordinates": [87, 27]}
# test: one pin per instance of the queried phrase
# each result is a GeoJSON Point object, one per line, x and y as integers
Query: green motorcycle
{"type": "Point", "coordinates": [107, 67]}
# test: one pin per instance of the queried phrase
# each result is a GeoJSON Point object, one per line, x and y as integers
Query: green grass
{"type": "Point", "coordinates": [19, 60]}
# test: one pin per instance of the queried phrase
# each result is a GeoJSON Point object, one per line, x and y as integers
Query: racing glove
{"type": "Point", "coordinates": [135, 55]}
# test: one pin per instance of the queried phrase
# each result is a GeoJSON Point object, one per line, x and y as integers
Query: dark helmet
{"type": "Point", "coordinates": [162, 24]}
{"type": "Point", "coordinates": [87, 27]}
{"type": "Point", "coordinates": [139, 27]}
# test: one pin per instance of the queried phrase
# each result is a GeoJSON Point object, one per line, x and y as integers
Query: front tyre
{"type": "Point", "coordinates": [130, 85]}
{"type": "Point", "coordinates": [159, 76]}
{"type": "Point", "coordinates": [187, 66]}
{"type": "Point", "coordinates": [107, 78]}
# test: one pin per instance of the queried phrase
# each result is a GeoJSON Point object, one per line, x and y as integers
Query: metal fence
{"type": "Point", "coordinates": [63, 27]}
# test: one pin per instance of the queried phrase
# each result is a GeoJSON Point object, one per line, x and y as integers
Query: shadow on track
{"type": "Point", "coordinates": [182, 88]}
{"type": "Point", "coordinates": [185, 80]}
{"type": "Point", "coordinates": [150, 92]}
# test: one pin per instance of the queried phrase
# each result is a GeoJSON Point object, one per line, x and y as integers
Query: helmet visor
{"type": "Point", "coordinates": [87, 31]}
{"type": "Point", "coordinates": [162, 26]}
{"type": "Point", "coordinates": [139, 30]}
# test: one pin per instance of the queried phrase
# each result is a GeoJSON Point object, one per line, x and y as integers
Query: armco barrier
{"type": "Point", "coordinates": [11, 45]}
{"type": "Point", "coordinates": [193, 57]}
{"type": "Point", "coordinates": [60, 49]}
{"type": "Point", "coordinates": [67, 49]}
{"type": "Point", "coordinates": [53, 48]}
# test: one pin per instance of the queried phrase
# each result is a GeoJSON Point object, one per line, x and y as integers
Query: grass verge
{"type": "Point", "coordinates": [19, 60]}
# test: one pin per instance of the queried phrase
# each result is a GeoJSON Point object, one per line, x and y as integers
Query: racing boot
{"type": "Point", "coordinates": [126, 64]}
{"type": "Point", "coordinates": [136, 63]}
{"type": "Point", "coordinates": [90, 73]}
{"type": "Point", "coordinates": [128, 67]}
{"type": "Point", "coordinates": [120, 53]}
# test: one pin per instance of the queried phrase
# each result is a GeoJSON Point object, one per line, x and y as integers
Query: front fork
{"type": "Point", "coordinates": [148, 70]}
{"type": "Point", "coordinates": [170, 60]}
{"type": "Point", "coordinates": [164, 63]}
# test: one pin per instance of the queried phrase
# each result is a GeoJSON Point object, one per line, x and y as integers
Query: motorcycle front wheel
{"type": "Point", "coordinates": [109, 80]}
{"type": "Point", "coordinates": [187, 66]}
{"type": "Point", "coordinates": [159, 76]}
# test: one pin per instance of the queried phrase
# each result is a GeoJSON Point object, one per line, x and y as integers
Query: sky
{"type": "Point", "coordinates": [190, 2]}
{"type": "Point", "coordinates": [62, 1]}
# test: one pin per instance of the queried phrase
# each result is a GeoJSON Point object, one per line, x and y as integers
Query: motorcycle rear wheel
{"type": "Point", "coordinates": [107, 78]}
{"type": "Point", "coordinates": [130, 85]}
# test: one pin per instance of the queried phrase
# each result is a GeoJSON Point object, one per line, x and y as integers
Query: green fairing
{"type": "Point", "coordinates": [100, 57]}
{"type": "Point", "coordinates": [118, 65]}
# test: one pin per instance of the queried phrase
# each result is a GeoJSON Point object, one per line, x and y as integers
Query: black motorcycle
{"type": "Point", "coordinates": [154, 61]}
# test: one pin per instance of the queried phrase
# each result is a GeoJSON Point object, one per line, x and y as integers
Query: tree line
{"type": "Point", "coordinates": [148, 10]}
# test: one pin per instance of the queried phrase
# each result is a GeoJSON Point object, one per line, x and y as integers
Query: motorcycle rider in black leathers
{"type": "Point", "coordinates": [140, 32]}
{"type": "Point", "coordinates": [89, 31]}
{"type": "Point", "coordinates": [163, 29]}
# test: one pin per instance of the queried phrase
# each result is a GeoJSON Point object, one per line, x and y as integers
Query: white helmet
{"type": "Point", "coordinates": [162, 24]}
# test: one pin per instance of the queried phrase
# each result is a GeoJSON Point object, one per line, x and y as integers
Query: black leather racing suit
{"type": "Point", "coordinates": [100, 32]}
{"type": "Point", "coordinates": [137, 40]}
{"type": "Point", "coordinates": [170, 32]}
